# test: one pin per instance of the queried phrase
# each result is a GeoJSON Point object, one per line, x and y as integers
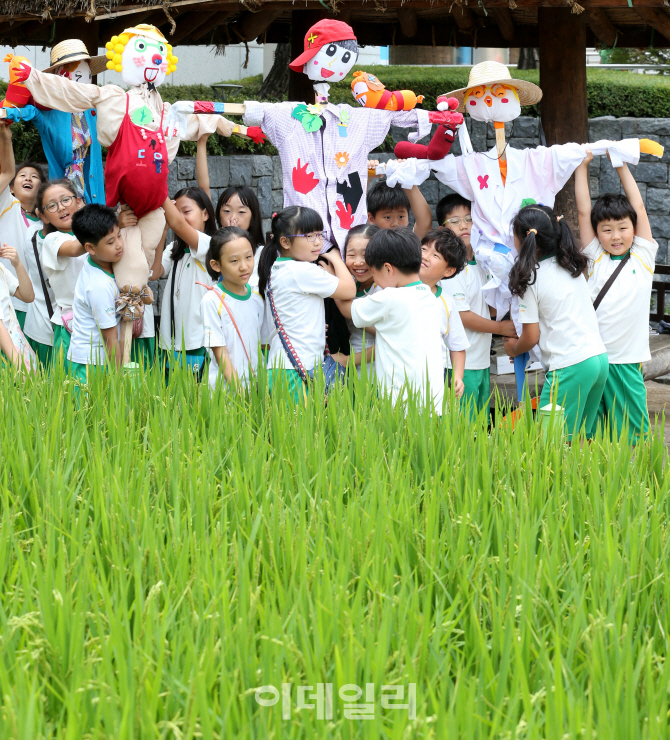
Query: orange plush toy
{"type": "Point", "coordinates": [371, 93]}
{"type": "Point", "coordinates": [17, 95]}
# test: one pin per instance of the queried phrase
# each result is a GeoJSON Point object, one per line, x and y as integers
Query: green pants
{"type": "Point", "coordinates": [143, 351]}
{"type": "Point", "coordinates": [578, 389]}
{"type": "Point", "coordinates": [43, 351]}
{"type": "Point", "coordinates": [477, 393]}
{"type": "Point", "coordinates": [21, 317]}
{"type": "Point", "coordinates": [79, 371]}
{"type": "Point", "coordinates": [290, 379]}
{"type": "Point", "coordinates": [61, 344]}
{"type": "Point", "coordinates": [624, 397]}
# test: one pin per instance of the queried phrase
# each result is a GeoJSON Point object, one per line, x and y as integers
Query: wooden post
{"type": "Point", "coordinates": [126, 340]}
{"type": "Point", "coordinates": [78, 28]}
{"type": "Point", "coordinates": [563, 82]}
{"type": "Point", "coordinates": [300, 86]}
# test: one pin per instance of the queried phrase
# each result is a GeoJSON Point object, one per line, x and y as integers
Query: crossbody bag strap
{"type": "Point", "coordinates": [50, 309]}
{"type": "Point", "coordinates": [172, 323]}
{"type": "Point", "coordinates": [610, 282]}
{"type": "Point", "coordinates": [283, 336]}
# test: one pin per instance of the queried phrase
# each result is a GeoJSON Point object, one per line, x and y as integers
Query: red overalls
{"type": "Point", "coordinates": [136, 171]}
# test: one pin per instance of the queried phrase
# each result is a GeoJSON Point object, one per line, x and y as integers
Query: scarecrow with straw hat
{"type": "Point", "coordinates": [132, 123]}
{"type": "Point", "coordinates": [70, 140]}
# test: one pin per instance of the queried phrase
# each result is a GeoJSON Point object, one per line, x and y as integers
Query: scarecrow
{"type": "Point", "coordinates": [70, 140]}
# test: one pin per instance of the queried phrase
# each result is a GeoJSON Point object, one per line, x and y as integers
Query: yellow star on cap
{"type": "Point", "coordinates": [311, 39]}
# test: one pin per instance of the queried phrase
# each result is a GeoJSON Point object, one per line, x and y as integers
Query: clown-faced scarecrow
{"type": "Point", "coordinates": [70, 140]}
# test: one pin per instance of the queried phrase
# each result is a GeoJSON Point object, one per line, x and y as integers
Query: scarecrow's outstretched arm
{"type": "Point", "coordinates": [179, 112]}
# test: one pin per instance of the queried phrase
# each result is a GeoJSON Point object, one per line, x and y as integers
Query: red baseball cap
{"type": "Point", "coordinates": [320, 34]}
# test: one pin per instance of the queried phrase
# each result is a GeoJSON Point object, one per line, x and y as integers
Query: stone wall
{"type": "Point", "coordinates": [263, 173]}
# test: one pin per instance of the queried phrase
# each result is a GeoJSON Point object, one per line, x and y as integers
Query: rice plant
{"type": "Point", "coordinates": [165, 552]}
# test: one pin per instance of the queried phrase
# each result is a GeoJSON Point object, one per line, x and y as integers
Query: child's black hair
{"type": "Point", "coordinates": [291, 220]}
{"type": "Point", "coordinates": [364, 231]}
{"type": "Point", "coordinates": [448, 204]}
{"type": "Point", "coordinates": [399, 247]}
{"type": "Point", "coordinates": [383, 198]}
{"type": "Point", "coordinates": [612, 207]}
{"type": "Point", "coordinates": [541, 235]}
{"type": "Point", "coordinates": [33, 165]}
{"type": "Point", "coordinates": [93, 222]}
{"type": "Point", "coordinates": [451, 247]}
{"type": "Point", "coordinates": [39, 201]}
{"type": "Point", "coordinates": [219, 240]}
{"type": "Point", "coordinates": [248, 198]}
{"type": "Point", "coordinates": [201, 199]}
{"type": "Point", "coordinates": [348, 44]}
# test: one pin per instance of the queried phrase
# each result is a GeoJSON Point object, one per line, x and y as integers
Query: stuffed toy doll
{"type": "Point", "coordinates": [371, 93]}
{"type": "Point", "coordinates": [70, 140]}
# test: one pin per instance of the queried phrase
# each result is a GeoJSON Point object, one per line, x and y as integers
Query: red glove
{"type": "Point", "coordinates": [344, 214]}
{"type": "Point", "coordinates": [22, 72]}
{"type": "Point", "coordinates": [448, 117]}
{"type": "Point", "coordinates": [440, 144]}
{"type": "Point", "coordinates": [255, 133]}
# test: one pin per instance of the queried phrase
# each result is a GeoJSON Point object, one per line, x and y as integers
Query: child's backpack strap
{"type": "Point", "coordinates": [222, 304]}
{"type": "Point", "coordinates": [446, 308]}
{"type": "Point", "coordinates": [283, 336]}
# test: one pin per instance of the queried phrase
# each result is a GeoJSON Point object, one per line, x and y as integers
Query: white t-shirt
{"type": "Point", "coordinates": [356, 335]}
{"type": "Point", "coordinates": [409, 339]}
{"type": "Point", "coordinates": [187, 297]}
{"type": "Point", "coordinates": [453, 332]}
{"type": "Point", "coordinates": [15, 226]}
{"type": "Point", "coordinates": [623, 314]}
{"type": "Point", "coordinates": [298, 290]}
{"type": "Point", "coordinates": [38, 325]}
{"type": "Point", "coordinates": [61, 272]}
{"type": "Point", "coordinates": [8, 287]}
{"type": "Point", "coordinates": [94, 309]}
{"type": "Point", "coordinates": [248, 312]}
{"type": "Point", "coordinates": [466, 291]}
{"type": "Point", "coordinates": [562, 306]}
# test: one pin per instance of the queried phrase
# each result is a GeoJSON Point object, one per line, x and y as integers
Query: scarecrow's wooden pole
{"type": "Point", "coordinates": [126, 339]}
{"type": "Point", "coordinates": [299, 85]}
{"type": "Point", "coordinates": [563, 81]}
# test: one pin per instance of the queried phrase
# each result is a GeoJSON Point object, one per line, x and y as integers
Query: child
{"type": "Point", "coordinates": [443, 257]}
{"type": "Point", "coordinates": [232, 313]}
{"type": "Point", "coordinates": [406, 317]}
{"type": "Point", "coordinates": [295, 287]}
{"type": "Point", "coordinates": [191, 217]}
{"type": "Point", "coordinates": [616, 229]}
{"type": "Point", "coordinates": [12, 285]}
{"type": "Point", "coordinates": [453, 212]}
{"type": "Point", "coordinates": [62, 256]}
{"type": "Point", "coordinates": [95, 324]}
{"type": "Point", "coordinates": [389, 208]}
{"type": "Point", "coordinates": [556, 311]}
{"type": "Point", "coordinates": [18, 193]}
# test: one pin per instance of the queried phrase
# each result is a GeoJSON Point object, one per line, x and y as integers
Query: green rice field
{"type": "Point", "coordinates": [164, 553]}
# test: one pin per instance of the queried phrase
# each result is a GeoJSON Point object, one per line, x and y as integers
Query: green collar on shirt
{"type": "Point", "coordinates": [187, 250]}
{"type": "Point", "coordinates": [71, 233]}
{"type": "Point", "coordinates": [284, 259]}
{"type": "Point", "coordinates": [236, 296]}
{"type": "Point", "coordinates": [94, 264]}
{"type": "Point", "coordinates": [411, 285]}
{"type": "Point", "coordinates": [548, 257]}
{"type": "Point", "coordinates": [438, 292]}
{"type": "Point", "coordinates": [30, 216]}
{"type": "Point", "coordinates": [619, 256]}
{"type": "Point", "coordinates": [472, 262]}
{"type": "Point", "coordinates": [41, 233]}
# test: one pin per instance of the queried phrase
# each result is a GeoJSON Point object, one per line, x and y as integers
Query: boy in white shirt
{"type": "Point", "coordinates": [617, 230]}
{"type": "Point", "coordinates": [453, 212]}
{"type": "Point", "coordinates": [95, 324]}
{"type": "Point", "coordinates": [442, 257]}
{"type": "Point", "coordinates": [407, 319]}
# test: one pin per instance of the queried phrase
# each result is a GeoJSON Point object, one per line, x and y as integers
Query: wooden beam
{"type": "Point", "coordinates": [463, 18]}
{"type": "Point", "coordinates": [408, 22]}
{"type": "Point", "coordinates": [564, 109]}
{"type": "Point", "coordinates": [251, 25]}
{"type": "Point", "coordinates": [213, 23]}
{"type": "Point", "coordinates": [601, 26]}
{"type": "Point", "coordinates": [505, 23]}
{"type": "Point", "coordinates": [657, 19]}
{"type": "Point", "coordinates": [119, 25]}
{"type": "Point", "coordinates": [188, 23]}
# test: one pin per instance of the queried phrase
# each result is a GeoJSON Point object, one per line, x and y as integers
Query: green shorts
{"type": "Point", "coordinates": [143, 351]}
{"type": "Point", "coordinates": [477, 393]}
{"type": "Point", "coordinates": [78, 371]}
{"type": "Point", "coordinates": [288, 379]}
{"type": "Point", "coordinates": [44, 352]}
{"type": "Point", "coordinates": [21, 318]}
{"type": "Point", "coordinates": [61, 344]}
{"type": "Point", "coordinates": [624, 398]}
{"type": "Point", "coordinates": [578, 389]}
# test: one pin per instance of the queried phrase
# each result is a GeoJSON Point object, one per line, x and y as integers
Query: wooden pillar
{"type": "Point", "coordinates": [300, 86]}
{"type": "Point", "coordinates": [78, 28]}
{"type": "Point", "coordinates": [563, 82]}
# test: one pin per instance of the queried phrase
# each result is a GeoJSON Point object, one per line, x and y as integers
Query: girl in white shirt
{"type": "Point", "coordinates": [556, 311]}
{"type": "Point", "coordinates": [62, 256]}
{"type": "Point", "coordinates": [182, 335]}
{"type": "Point", "coordinates": [295, 286]}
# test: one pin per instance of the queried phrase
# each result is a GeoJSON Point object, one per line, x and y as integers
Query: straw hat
{"type": "Point", "coordinates": [73, 50]}
{"type": "Point", "coordinates": [492, 73]}
{"type": "Point", "coordinates": [144, 29]}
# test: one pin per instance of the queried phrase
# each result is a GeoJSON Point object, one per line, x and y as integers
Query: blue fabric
{"type": "Point", "coordinates": [520, 363]}
{"type": "Point", "coordinates": [55, 128]}
{"type": "Point", "coordinates": [332, 371]}
{"type": "Point", "coordinates": [502, 248]}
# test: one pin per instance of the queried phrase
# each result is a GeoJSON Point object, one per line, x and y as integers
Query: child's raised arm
{"type": "Point", "coordinates": [346, 290]}
{"type": "Point", "coordinates": [179, 225]}
{"type": "Point", "coordinates": [630, 188]}
{"type": "Point", "coordinates": [7, 163]}
{"type": "Point", "coordinates": [583, 198]}
{"type": "Point", "coordinates": [24, 291]}
{"type": "Point", "coordinates": [423, 216]}
{"type": "Point", "coordinates": [201, 168]}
